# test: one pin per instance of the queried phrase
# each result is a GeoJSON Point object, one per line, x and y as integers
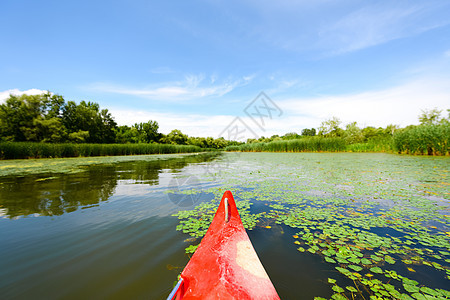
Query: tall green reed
{"type": "Point", "coordinates": [423, 139]}
{"type": "Point", "coordinates": [309, 144]}
{"type": "Point", "coordinates": [19, 150]}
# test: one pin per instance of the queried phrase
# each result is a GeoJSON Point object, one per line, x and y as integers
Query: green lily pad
{"type": "Point", "coordinates": [354, 260]}
{"type": "Point", "coordinates": [411, 288]}
{"type": "Point", "coordinates": [355, 268]}
{"type": "Point", "coordinates": [429, 291]}
{"type": "Point", "coordinates": [376, 270]}
{"type": "Point", "coordinates": [338, 297]}
{"type": "Point", "coordinates": [445, 293]}
{"type": "Point", "coordinates": [389, 259]}
{"type": "Point", "coordinates": [376, 258]}
{"type": "Point", "coordinates": [342, 270]}
{"type": "Point", "coordinates": [341, 260]}
{"type": "Point", "coordinates": [337, 289]}
{"type": "Point", "coordinates": [419, 296]}
{"type": "Point", "coordinates": [329, 260]}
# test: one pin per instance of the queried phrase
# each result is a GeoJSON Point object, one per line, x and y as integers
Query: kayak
{"type": "Point", "coordinates": [225, 265]}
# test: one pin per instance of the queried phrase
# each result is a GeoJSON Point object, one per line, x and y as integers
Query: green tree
{"type": "Point", "coordinates": [107, 127]}
{"type": "Point", "coordinates": [50, 130]}
{"type": "Point", "coordinates": [330, 128]}
{"type": "Point", "coordinates": [197, 141]}
{"type": "Point", "coordinates": [390, 129]}
{"type": "Point", "coordinates": [78, 119]}
{"type": "Point", "coordinates": [87, 117]}
{"type": "Point", "coordinates": [445, 120]}
{"type": "Point", "coordinates": [370, 132]}
{"type": "Point", "coordinates": [430, 117]}
{"type": "Point", "coordinates": [175, 137]}
{"type": "Point", "coordinates": [50, 127]}
{"type": "Point", "coordinates": [147, 132]}
{"type": "Point", "coordinates": [291, 136]}
{"type": "Point", "coordinates": [309, 132]}
{"type": "Point", "coordinates": [353, 134]}
{"type": "Point", "coordinates": [124, 134]}
{"type": "Point", "coordinates": [27, 117]}
{"type": "Point", "coordinates": [220, 143]}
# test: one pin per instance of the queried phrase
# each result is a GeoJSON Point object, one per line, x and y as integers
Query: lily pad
{"type": "Point", "coordinates": [411, 288]}
{"type": "Point", "coordinates": [355, 268]}
{"type": "Point", "coordinates": [376, 270]}
{"type": "Point", "coordinates": [389, 259]}
{"type": "Point", "coordinates": [337, 289]}
{"type": "Point", "coordinates": [329, 260]}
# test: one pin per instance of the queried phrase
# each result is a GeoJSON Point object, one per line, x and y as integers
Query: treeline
{"type": "Point", "coordinates": [48, 118]}
{"type": "Point", "coordinates": [430, 137]}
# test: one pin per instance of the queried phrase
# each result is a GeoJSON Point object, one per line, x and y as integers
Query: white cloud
{"type": "Point", "coordinates": [192, 87]}
{"type": "Point", "coordinates": [398, 105]}
{"type": "Point", "coordinates": [214, 126]}
{"type": "Point", "coordinates": [5, 94]}
{"type": "Point", "coordinates": [191, 124]}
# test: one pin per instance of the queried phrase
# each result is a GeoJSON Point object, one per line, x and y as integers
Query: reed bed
{"type": "Point", "coordinates": [424, 139]}
{"type": "Point", "coordinates": [20, 150]}
{"type": "Point", "coordinates": [417, 140]}
{"type": "Point", "coordinates": [385, 144]}
{"type": "Point", "coordinates": [310, 144]}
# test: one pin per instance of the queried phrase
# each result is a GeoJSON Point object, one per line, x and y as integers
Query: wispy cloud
{"type": "Point", "coordinates": [16, 92]}
{"type": "Point", "coordinates": [285, 85]}
{"type": "Point", "coordinates": [330, 28]}
{"type": "Point", "coordinates": [192, 87]}
{"type": "Point", "coordinates": [379, 23]}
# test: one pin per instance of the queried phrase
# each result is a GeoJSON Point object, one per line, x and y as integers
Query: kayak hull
{"type": "Point", "coordinates": [225, 265]}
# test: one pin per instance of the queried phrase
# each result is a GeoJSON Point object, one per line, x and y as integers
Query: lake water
{"type": "Point", "coordinates": [104, 227]}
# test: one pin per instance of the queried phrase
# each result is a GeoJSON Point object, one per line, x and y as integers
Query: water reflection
{"type": "Point", "coordinates": [56, 194]}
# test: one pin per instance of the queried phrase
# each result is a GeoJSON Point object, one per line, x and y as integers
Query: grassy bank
{"type": "Point", "coordinates": [418, 140]}
{"type": "Point", "coordinates": [424, 139]}
{"type": "Point", "coordinates": [373, 145]}
{"type": "Point", "coordinates": [42, 150]}
{"type": "Point", "coordinates": [309, 144]}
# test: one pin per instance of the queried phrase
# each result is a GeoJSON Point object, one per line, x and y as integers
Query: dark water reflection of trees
{"type": "Point", "coordinates": [56, 194]}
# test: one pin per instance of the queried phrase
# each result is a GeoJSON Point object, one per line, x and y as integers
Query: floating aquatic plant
{"type": "Point", "coordinates": [362, 213]}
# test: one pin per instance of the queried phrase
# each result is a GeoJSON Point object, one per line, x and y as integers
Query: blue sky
{"type": "Point", "coordinates": [196, 65]}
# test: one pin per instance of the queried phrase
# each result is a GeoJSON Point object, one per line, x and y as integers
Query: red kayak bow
{"type": "Point", "coordinates": [225, 265]}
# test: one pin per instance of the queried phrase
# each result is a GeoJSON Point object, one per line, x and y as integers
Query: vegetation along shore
{"type": "Point", "coordinates": [38, 126]}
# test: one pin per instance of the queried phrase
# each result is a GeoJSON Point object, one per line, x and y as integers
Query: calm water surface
{"type": "Point", "coordinates": [107, 231]}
